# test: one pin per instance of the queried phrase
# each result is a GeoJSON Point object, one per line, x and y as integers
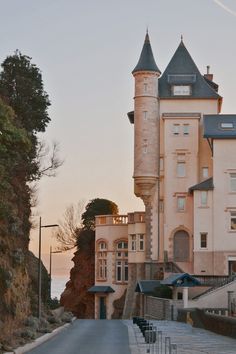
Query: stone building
{"type": "Point", "coordinates": [185, 173]}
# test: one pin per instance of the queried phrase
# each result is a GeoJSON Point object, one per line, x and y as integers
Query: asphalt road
{"type": "Point", "coordinates": [88, 337]}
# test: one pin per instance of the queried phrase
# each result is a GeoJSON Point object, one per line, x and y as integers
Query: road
{"type": "Point", "coordinates": [88, 337]}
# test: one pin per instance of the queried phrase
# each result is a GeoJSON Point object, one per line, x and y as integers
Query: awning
{"type": "Point", "coordinates": [147, 286]}
{"type": "Point", "coordinates": [100, 289]}
{"type": "Point", "coordinates": [181, 279]}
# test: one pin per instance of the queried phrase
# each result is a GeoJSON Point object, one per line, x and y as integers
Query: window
{"type": "Point", "coordinates": [161, 164]}
{"type": "Point", "coordinates": [205, 173]}
{"type": "Point", "coordinates": [145, 115]}
{"type": "Point", "coordinates": [181, 157]}
{"type": "Point", "coordinates": [102, 261]}
{"type": "Point", "coordinates": [161, 206]}
{"type": "Point", "coordinates": [227, 126]}
{"type": "Point", "coordinates": [204, 198]}
{"type": "Point", "coordinates": [122, 261]}
{"type": "Point", "coordinates": [233, 182]}
{"type": "Point", "coordinates": [176, 129]}
{"type": "Point", "coordinates": [181, 201]}
{"type": "Point", "coordinates": [186, 129]}
{"type": "Point", "coordinates": [145, 85]}
{"type": "Point", "coordinates": [181, 90]}
{"type": "Point", "coordinates": [181, 169]}
{"type": "Point", "coordinates": [133, 242]}
{"type": "Point", "coordinates": [102, 246]}
{"type": "Point", "coordinates": [141, 242]}
{"type": "Point", "coordinates": [233, 220]}
{"type": "Point", "coordinates": [203, 239]}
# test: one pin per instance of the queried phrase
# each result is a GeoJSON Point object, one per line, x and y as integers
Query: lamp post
{"type": "Point", "coordinates": [39, 265]}
{"type": "Point", "coordinates": [50, 270]}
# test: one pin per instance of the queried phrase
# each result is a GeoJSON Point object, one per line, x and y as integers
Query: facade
{"type": "Point", "coordinates": [185, 173]}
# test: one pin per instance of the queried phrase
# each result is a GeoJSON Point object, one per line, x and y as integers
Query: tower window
{"type": "Point", "coordinates": [233, 220]}
{"type": "Point", "coordinates": [186, 129]}
{"type": "Point", "coordinates": [205, 173]}
{"type": "Point", "coordinates": [145, 115]}
{"type": "Point", "coordinates": [176, 129]}
{"type": "Point", "coordinates": [233, 182]}
{"type": "Point", "coordinates": [181, 171]}
{"type": "Point", "coordinates": [203, 239]}
{"type": "Point", "coordinates": [181, 201]}
{"type": "Point", "coordinates": [204, 198]}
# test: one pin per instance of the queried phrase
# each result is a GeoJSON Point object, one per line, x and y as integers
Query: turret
{"type": "Point", "coordinates": [146, 107]}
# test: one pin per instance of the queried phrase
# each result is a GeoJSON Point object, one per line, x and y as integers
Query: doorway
{"type": "Point", "coordinates": [232, 267]}
{"type": "Point", "coordinates": [102, 308]}
{"type": "Point", "coordinates": [181, 246]}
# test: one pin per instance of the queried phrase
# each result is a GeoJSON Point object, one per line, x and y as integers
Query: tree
{"type": "Point", "coordinates": [74, 224]}
{"type": "Point", "coordinates": [21, 87]}
{"type": "Point", "coordinates": [95, 207]}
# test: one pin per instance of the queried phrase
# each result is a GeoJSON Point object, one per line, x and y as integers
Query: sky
{"type": "Point", "coordinates": [86, 51]}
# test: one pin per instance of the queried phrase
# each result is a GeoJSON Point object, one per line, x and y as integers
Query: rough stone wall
{"type": "Point", "coordinates": [75, 297]}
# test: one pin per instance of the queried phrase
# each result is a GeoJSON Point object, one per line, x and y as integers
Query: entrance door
{"type": "Point", "coordinates": [232, 267]}
{"type": "Point", "coordinates": [102, 305]}
{"type": "Point", "coordinates": [181, 246]}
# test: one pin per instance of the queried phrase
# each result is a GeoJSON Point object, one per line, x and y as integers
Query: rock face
{"type": "Point", "coordinates": [75, 297]}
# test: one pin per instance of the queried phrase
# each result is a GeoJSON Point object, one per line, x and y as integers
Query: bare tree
{"type": "Point", "coordinates": [48, 159]}
{"type": "Point", "coordinates": [69, 228]}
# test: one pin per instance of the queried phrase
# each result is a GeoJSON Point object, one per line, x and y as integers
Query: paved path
{"type": "Point", "coordinates": [189, 340]}
{"type": "Point", "coordinates": [88, 337]}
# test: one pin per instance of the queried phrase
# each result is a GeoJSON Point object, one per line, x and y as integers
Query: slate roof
{"type": "Point", "coordinates": [182, 70]}
{"type": "Point", "coordinates": [147, 286]}
{"type": "Point", "coordinates": [146, 60]}
{"type": "Point", "coordinates": [100, 289]}
{"type": "Point", "coordinates": [206, 185]}
{"type": "Point", "coordinates": [213, 128]}
{"type": "Point", "coordinates": [180, 279]}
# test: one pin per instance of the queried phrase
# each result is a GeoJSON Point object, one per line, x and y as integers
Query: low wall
{"type": "Point", "coordinates": [161, 309]}
{"type": "Point", "coordinates": [223, 325]}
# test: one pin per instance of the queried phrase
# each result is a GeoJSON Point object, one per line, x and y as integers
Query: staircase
{"type": "Point", "coordinates": [221, 281]}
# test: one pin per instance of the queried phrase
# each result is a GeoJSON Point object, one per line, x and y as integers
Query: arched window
{"type": "Point", "coordinates": [181, 246]}
{"type": "Point", "coordinates": [102, 261]}
{"type": "Point", "coordinates": [122, 261]}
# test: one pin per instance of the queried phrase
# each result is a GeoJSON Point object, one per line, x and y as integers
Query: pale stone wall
{"type": "Point", "coordinates": [224, 201]}
{"type": "Point", "coordinates": [203, 257]}
{"type": "Point", "coordinates": [113, 230]}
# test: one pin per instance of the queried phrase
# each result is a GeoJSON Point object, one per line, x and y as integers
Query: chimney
{"type": "Point", "coordinates": [208, 76]}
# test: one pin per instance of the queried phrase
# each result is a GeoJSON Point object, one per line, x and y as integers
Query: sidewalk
{"type": "Point", "coordinates": [189, 340]}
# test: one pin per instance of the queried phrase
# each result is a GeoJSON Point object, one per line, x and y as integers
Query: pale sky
{"type": "Point", "coordinates": [86, 51]}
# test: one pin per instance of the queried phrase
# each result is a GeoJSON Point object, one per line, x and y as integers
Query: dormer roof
{"type": "Point", "coordinates": [146, 60]}
{"type": "Point", "coordinates": [182, 70]}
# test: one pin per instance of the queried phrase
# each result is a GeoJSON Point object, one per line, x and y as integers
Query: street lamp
{"type": "Point", "coordinates": [39, 266]}
{"type": "Point", "coordinates": [50, 270]}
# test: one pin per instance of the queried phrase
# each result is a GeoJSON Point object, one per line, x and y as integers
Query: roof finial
{"type": "Point", "coordinates": [182, 38]}
{"type": "Point", "coordinates": [147, 35]}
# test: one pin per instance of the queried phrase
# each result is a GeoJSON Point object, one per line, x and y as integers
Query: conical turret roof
{"type": "Point", "coordinates": [182, 70]}
{"type": "Point", "coordinates": [146, 61]}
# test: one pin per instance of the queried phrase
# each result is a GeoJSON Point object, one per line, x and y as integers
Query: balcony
{"type": "Point", "coordinates": [102, 220]}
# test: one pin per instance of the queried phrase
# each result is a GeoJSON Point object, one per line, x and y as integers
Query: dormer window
{"type": "Point", "coordinates": [181, 90]}
{"type": "Point", "coordinates": [227, 126]}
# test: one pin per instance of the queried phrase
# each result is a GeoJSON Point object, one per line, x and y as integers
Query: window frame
{"type": "Point", "coordinates": [178, 169]}
{"type": "Point", "coordinates": [232, 215]}
{"type": "Point", "coordinates": [179, 208]}
{"type": "Point", "coordinates": [203, 243]}
{"type": "Point", "coordinates": [205, 168]}
{"type": "Point", "coordinates": [203, 202]}
{"type": "Point", "coordinates": [232, 180]}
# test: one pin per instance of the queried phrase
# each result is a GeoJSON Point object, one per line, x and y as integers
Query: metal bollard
{"type": "Point", "coordinates": [159, 342]}
{"type": "Point", "coordinates": [167, 345]}
{"type": "Point", "coordinates": [173, 348]}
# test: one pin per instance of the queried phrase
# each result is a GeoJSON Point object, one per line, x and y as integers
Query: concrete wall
{"type": "Point", "coordinates": [161, 309]}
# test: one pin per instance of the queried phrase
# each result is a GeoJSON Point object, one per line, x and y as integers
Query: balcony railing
{"type": "Point", "coordinates": [102, 220]}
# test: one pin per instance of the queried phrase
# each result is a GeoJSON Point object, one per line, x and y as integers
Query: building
{"type": "Point", "coordinates": [185, 173]}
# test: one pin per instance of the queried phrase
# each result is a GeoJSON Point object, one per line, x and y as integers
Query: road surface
{"type": "Point", "coordinates": [88, 337]}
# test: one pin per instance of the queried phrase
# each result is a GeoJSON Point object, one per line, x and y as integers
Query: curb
{"type": "Point", "coordinates": [40, 340]}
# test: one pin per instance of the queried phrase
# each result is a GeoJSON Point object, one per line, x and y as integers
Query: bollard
{"type": "Point", "coordinates": [159, 342]}
{"type": "Point", "coordinates": [167, 345]}
{"type": "Point", "coordinates": [173, 348]}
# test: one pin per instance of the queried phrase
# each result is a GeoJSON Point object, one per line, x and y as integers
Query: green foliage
{"type": "Point", "coordinates": [53, 304]}
{"type": "Point", "coordinates": [22, 87]}
{"type": "Point", "coordinates": [95, 207]}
